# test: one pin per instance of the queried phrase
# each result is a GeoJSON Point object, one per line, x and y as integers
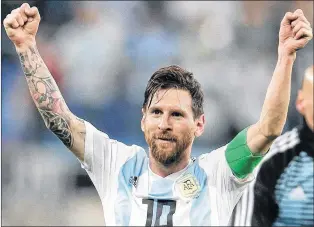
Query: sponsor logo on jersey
{"type": "Point", "coordinates": [188, 186]}
{"type": "Point", "coordinates": [133, 180]}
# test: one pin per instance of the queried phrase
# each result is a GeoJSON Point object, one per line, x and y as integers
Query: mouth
{"type": "Point", "coordinates": [166, 139]}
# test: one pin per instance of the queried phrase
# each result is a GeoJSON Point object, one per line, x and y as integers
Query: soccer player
{"type": "Point", "coordinates": [282, 194]}
{"type": "Point", "coordinates": [168, 187]}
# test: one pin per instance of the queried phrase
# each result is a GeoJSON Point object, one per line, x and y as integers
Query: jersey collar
{"type": "Point", "coordinates": [153, 176]}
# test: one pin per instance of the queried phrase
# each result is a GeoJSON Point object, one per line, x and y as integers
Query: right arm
{"type": "Point", "coordinates": [49, 101]}
{"type": "Point", "coordinates": [101, 157]}
{"type": "Point", "coordinates": [21, 26]}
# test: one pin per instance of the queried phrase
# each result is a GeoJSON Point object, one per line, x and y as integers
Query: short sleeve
{"type": "Point", "coordinates": [219, 171]}
{"type": "Point", "coordinates": [228, 187]}
{"type": "Point", "coordinates": [103, 158]}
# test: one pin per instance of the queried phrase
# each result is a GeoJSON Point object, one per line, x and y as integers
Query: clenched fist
{"type": "Point", "coordinates": [295, 32]}
{"type": "Point", "coordinates": [21, 25]}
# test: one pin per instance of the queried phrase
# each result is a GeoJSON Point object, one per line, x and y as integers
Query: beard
{"type": "Point", "coordinates": [172, 150]}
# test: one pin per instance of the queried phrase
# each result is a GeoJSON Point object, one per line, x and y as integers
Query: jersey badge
{"type": "Point", "coordinates": [188, 186]}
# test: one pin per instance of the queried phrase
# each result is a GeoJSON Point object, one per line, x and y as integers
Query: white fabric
{"type": "Point", "coordinates": [203, 193]}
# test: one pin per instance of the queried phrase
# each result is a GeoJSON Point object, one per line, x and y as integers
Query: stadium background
{"type": "Point", "coordinates": [102, 55]}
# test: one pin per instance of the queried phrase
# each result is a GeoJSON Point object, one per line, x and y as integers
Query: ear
{"type": "Point", "coordinates": [143, 119]}
{"type": "Point", "coordinates": [299, 102]}
{"type": "Point", "coordinates": [200, 125]}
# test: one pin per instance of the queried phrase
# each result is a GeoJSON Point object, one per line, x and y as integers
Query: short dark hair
{"type": "Point", "coordinates": [175, 77]}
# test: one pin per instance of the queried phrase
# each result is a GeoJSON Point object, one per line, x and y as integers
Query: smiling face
{"type": "Point", "coordinates": [169, 126]}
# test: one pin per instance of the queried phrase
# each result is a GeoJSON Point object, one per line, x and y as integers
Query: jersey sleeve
{"type": "Point", "coordinates": [103, 158]}
{"type": "Point", "coordinates": [242, 213]}
{"type": "Point", "coordinates": [227, 185]}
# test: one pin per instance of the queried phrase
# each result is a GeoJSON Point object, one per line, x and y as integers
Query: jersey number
{"type": "Point", "coordinates": [160, 204]}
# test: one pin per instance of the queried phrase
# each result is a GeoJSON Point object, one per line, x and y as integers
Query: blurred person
{"type": "Point", "coordinates": [99, 93]}
{"type": "Point", "coordinates": [285, 197]}
{"type": "Point", "coordinates": [168, 187]}
{"type": "Point", "coordinates": [17, 106]}
{"type": "Point", "coordinates": [152, 41]}
{"type": "Point", "coordinates": [101, 25]}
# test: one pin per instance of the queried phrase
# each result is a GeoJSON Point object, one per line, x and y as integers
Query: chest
{"type": "Point", "coordinates": [133, 209]}
{"type": "Point", "coordinates": [142, 202]}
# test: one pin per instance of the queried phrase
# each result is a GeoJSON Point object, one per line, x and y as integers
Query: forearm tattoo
{"type": "Point", "coordinates": [58, 125]}
{"type": "Point", "coordinates": [46, 95]}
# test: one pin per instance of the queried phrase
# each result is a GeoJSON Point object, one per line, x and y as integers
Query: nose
{"type": "Point", "coordinates": [164, 123]}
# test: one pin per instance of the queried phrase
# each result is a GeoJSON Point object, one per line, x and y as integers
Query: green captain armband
{"type": "Point", "coordinates": [239, 156]}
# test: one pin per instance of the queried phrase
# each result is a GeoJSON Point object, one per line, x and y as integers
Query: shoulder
{"type": "Point", "coordinates": [101, 148]}
{"type": "Point", "coordinates": [97, 137]}
{"type": "Point", "coordinates": [212, 156]}
{"type": "Point", "coordinates": [137, 160]}
{"type": "Point", "coordinates": [133, 169]}
{"type": "Point", "coordinates": [213, 160]}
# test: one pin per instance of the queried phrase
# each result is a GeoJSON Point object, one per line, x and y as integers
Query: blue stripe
{"type": "Point", "coordinates": [136, 166]}
{"type": "Point", "coordinates": [161, 189]}
{"type": "Point", "coordinates": [200, 209]}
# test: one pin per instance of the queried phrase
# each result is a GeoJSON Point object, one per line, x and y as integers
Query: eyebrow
{"type": "Point", "coordinates": [175, 109]}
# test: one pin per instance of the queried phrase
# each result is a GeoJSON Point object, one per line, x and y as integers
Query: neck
{"type": "Point", "coordinates": [162, 170]}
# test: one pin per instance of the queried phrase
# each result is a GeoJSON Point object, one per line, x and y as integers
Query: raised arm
{"type": "Point", "coordinates": [21, 26]}
{"type": "Point", "coordinates": [246, 150]}
{"type": "Point", "coordinates": [295, 32]}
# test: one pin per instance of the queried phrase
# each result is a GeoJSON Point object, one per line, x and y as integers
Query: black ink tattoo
{"type": "Point", "coordinates": [59, 126]}
{"type": "Point", "coordinates": [47, 96]}
{"type": "Point", "coordinates": [28, 68]}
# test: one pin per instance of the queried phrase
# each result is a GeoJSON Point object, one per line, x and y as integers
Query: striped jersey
{"type": "Point", "coordinates": [203, 193]}
{"type": "Point", "coordinates": [282, 194]}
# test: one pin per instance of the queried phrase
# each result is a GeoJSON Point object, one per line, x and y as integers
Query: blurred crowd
{"type": "Point", "coordinates": [102, 54]}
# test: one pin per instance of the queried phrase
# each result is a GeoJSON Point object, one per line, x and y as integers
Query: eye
{"type": "Point", "coordinates": [177, 114]}
{"type": "Point", "coordinates": [156, 111]}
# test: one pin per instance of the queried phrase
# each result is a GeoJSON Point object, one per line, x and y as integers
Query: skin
{"type": "Point", "coordinates": [21, 26]}
{"type": "Point", "coordinates": [170, 116]}
{"type": "Point", "coordinates": [304, 102]}
{"type": "Point", "coordinates": [295, 32]}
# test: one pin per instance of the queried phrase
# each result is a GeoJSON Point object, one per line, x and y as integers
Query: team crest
{"type": "Point", "coordinates": [188, 186]}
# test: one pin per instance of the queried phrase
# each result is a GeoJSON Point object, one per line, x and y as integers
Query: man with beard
{"type": "Point", "coordinates": [168, 187]}
{"type": "Point", "coordinates": [285, 197]}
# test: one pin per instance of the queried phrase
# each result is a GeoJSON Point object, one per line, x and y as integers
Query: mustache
{"type": "Point", "coordinates": [165, 136]}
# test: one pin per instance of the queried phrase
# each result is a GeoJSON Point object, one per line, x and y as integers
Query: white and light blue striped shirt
{"type": "Point", "coordinates": [203, 193]}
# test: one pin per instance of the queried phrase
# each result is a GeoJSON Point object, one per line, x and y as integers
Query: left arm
{"type": "Point", "coordinates": [295, 32]}
{"type": "Point", "coordinates": [275, 108]}
{"type": "Point", "coordinates": [245, 151]}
